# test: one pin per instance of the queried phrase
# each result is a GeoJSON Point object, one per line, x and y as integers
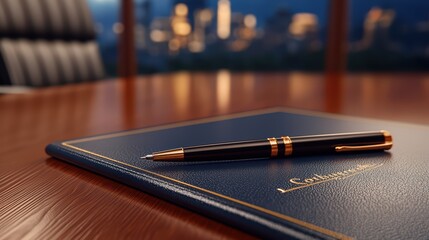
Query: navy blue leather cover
{"type": "Point", "coordinates": [374, 195]}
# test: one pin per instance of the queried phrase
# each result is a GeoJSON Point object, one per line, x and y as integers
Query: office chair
{"type": "Point", "coordinates": [47, 42]}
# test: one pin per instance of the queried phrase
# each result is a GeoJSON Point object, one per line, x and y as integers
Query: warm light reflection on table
{"type": "Point", "coordinates": [179, 96]}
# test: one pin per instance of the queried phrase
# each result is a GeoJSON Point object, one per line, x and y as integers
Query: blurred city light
{"type": "Point", "coordinates": [285, 35]}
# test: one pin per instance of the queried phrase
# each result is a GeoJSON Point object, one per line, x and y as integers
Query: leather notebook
{"type": "Point", "coordinates": [368, 195]}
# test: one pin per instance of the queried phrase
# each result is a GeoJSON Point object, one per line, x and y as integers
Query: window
{"type": "Point", "coordinates": [259, 35]}
{"type": "Point", "coordinates": [389, 35]}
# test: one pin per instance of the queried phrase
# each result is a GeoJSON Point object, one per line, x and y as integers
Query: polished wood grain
{"type": "Point", "coordinates": [44, 198]}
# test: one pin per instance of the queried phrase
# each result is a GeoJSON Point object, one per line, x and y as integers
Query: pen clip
{"type": "Point", "coordinates": [382, 146]}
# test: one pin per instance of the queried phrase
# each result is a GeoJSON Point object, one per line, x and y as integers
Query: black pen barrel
{"type": "Point", "coordinates": [233, 150]}
{"type": "Point", "coordinates": [320, 144]}
{"type": "Point", "coordinates": [280, 147]}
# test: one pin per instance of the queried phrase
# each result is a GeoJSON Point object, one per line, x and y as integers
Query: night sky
{"type": "Point", "coordinates": [407, 12]}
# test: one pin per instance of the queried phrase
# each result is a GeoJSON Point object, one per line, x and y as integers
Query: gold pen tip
{"type": "Point", "coordinates": [148, 157]}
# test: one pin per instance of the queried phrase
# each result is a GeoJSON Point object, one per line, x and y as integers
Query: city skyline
{"type": "Point", "coordinates": [409, 12]}
{"type": "Point", "coordinates": [224, 33]}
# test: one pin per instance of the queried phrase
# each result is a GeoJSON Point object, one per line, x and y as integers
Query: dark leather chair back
{"type": "Point", "coordinates": [47, 42]}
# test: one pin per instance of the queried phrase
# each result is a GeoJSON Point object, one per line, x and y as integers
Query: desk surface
{"type": "Point", "coordinates": [41, 197]}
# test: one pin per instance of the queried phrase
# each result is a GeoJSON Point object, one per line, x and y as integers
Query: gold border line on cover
{"type": "Point", "coordinates": [232, 116]}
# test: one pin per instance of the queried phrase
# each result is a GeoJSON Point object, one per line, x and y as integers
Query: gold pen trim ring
{"type": "Point", "coordinates": [288, 145]}
{"type": "Point", "coordinates": [387, 139]}
{"type": "Point", "coordinates": [274, 147]}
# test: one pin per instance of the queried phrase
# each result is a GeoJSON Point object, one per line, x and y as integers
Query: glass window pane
{"type": "Point", "coordinates": [389, 35]}
{"type": "Point", "coordinates": [232, 34]}
{"type": "Point", "coordinates": [218, 34]}
{"type": "Point", "coordinates": [107, 24]}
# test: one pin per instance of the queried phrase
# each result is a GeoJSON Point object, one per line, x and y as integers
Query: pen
{"type": "Point", "coordinates": [279, 147]}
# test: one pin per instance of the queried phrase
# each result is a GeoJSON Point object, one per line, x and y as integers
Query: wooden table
{"type": "Point", "coordinates": [44, 198]}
